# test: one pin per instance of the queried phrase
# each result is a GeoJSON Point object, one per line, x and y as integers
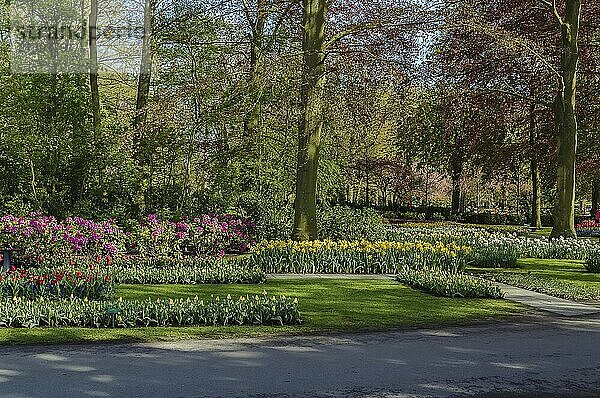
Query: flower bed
{"type": "Point", "coordinates": [258, 310]}
{"type": "Point", "coordinates": [56, 284]}
{"type": "Point", "coordinates": [187, 271]}
{"type": "Point", "coordinates": [358, 257]}
{"type": "Point", "coordinates": [588, 228]}
{"type": "Point", "coordinates": [491, 247]}
{"type": "Point", "coordinates": [449, 284]}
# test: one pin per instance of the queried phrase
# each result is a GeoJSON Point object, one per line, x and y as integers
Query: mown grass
{"type": "Point", "coordinates": [562, 278]}
{"type": "Point", "coordinates": [326, 306]}
{"type": "Point", "coordinates": [572, 271]}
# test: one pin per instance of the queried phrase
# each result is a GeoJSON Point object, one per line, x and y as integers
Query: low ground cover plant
{"type": "Point", "coordinates": [355, 257]}
{"type": "Point", "coordinates": [246, 310]}
{"type": "Point", "coordinates": [57, 284]}
{"type": "Point", "coordinates": [449, 284]}
{"type": "Point", "coordinates": [553, 287]}
{"type": "Point", "coordinates": [495, 256]}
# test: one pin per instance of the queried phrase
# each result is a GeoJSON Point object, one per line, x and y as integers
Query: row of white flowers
{"type": "Point", "coordinates": [509, 242]}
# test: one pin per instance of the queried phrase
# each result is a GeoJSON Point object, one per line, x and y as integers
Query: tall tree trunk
{"type": "Point", "coordinates": [426, 204]}
{"type": "Point", "coordinates": [367, 189]}
{"type": "Point", "coordinates": [143, 89]}
{"type": "Point", "coordinates": [536, 203]}
{"type": "Point", "coordinates": [566, 119]}
{"type": "Point", "coordinates": [94, 87]}
{"type": "Point", "coordinates": [456, 186]}
{"type": "Point", "coordinates": [595, 196]}
{"type": "Point", "coordinates": [309, 137]}
{"type": "Point", "coordinates": [252, 121]}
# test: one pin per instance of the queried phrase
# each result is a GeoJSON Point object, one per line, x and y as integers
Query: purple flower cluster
{"type": "Point", "coordinates": [210, 234]}
{"type": "Point", "coordinates": [44, 238]}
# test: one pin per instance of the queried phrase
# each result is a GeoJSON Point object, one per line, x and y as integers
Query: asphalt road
{"type": "Point", "coordinates": [546, 357]}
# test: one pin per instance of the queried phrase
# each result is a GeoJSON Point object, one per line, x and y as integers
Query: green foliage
{"type": "Point", "coordinates": [273, 217]}
{"type": "Point", "coordinates": [554, 287]}
{"type": "Point", "coordinates": [188, 271]}
{"type": "Point", "coordinates": [592, 263]}
{"type": "Point", "coordinates": [247, 310]}
{"type": "Point", "coordinates": [345, 223]}
{"type": "Point", "coordinates": [492, 256]}
{"type": "Point", "coordinates": [449, 284]}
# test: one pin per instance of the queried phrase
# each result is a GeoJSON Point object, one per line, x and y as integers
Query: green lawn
{"type": "Point", "coordinates": [572, 271]}
{"type": "Point", "coordinates": [326, 306]}
{"type": "Point", "coordinates": [562, 278]}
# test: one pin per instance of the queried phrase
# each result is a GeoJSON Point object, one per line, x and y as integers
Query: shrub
{"type": "Point", "coordinates": [449, 284]}
{"type": "Point", "coordinates": [345, 223]}
{"type": "Point", "coordinates": [56, 284]}
{"type": "Point", "coordinates": [357, 257]}
{"type": "Point", "coordinates": [44, 238]}
{"type": "Point", "coordinates": [437, 217]}
{"type": "Point", "coordinates": [274, 220]}
{"type": "Point", "coordinates": [258, 310]}
{"type": "Point", "coordinates": [210, 234]}
{"type": "Point", "coordinates": [410, 215]}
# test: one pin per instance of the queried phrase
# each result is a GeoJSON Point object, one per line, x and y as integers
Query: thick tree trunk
{"type": "Point", "coordinates": [536, 203]}
{"type": "Point", "coordinates": [309, 139]}
{"type": "Point", "coordinates": [94, 87]}
{"type": "Point", "coordinates": [566, 120]}
{"type": "Point", "coordinates": [143, 89]}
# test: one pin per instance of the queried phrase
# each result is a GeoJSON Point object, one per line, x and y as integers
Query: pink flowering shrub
{"type": "Point", "coordinates": [44, 239]}
{"type": "Point", "coordinates": [209, 234]}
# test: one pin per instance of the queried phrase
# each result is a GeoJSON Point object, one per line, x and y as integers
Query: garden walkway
{"type": "Point", "coordinates": [547, 303]}
{"type": "Point", "coordinates": [539, 301]}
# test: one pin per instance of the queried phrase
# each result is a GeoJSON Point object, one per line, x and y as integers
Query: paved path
{"type": "Point", "coordinates": [547, 303]}
{"type": "Point", "coordinates": [528, 359]}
